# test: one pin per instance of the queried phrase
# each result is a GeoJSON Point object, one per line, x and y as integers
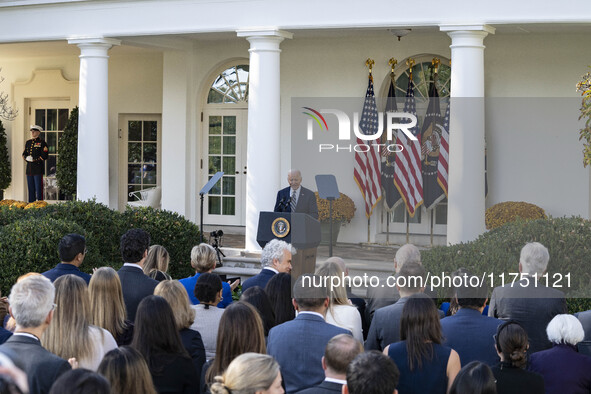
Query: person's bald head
{"type": "Point", "coordinates": [339, 353]}
{"type": "Point", "coordinates": [407, 253]}
{"type": "Point", "coordinates": [340, 262]}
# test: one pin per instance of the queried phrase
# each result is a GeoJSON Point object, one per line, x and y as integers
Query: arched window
{"type": "Point", "coordinates": [230, 86]}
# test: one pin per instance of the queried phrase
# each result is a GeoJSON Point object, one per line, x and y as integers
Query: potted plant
{"type": "Point", "coordinates": [343, 210]}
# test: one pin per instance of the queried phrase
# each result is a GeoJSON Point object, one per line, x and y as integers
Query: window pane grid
{"type": "Point", "coordinates": [142, 156]}
{"type": "Point", "coordinates": [53, 121]}
{"type": "Point", "coordinates": [222, 157]}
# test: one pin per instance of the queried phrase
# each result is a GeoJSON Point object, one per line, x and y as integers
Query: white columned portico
{"type": "Point", "coordinates": [263, 158]}
{"type": "Point", "coordinates": [93, 117]}
{"type": "Point", "coordinates": [466, 205]}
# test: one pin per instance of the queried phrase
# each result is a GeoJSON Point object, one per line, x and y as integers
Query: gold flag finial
{"type": "Point", "coordinates": [392, 62]}
{"type": "Point", "coordinates": [369, 63]}
{"type": "Point", "coordinates": [435, 63]}
{"type": "Point", "coordinates": [410, 62]}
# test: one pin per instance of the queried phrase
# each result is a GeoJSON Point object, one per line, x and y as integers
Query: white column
{"type": "Point", "coordinates": [93, 119]}
{"type": "Point", "coordinates": [466, 206]}
{"type": "Point", "coordinates": [263, 170]}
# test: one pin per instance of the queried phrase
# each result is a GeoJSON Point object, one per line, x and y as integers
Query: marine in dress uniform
{"type": "Point", "coordinates": [35, 154]}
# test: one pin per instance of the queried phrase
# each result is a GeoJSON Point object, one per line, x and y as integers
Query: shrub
{"type": "Point", "coordinates": [343, 209]}
{"type": "Point", "coordinates": [497, 252]}
{"type": "Point", "coordinates": [509, 211]}
{"type": "Point", "coordinates": [8, 215]}
{"type": "Point", "coordinates": [171, 230]}
{"type": "Point", "coordinates": [67, 164]}
{"type": "Point", "coordinates": [5, 174]}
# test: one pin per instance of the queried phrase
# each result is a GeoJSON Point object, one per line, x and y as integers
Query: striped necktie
{"type": "Point", "coordinates": [293, 201]}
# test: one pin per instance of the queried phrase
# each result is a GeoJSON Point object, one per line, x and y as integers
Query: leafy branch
{"type": "Point", "coordinates": [584, 86]}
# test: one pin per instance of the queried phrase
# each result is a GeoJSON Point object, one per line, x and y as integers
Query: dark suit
{"type": "Point", "coordinates": [563, 369]}
{"type": "Point", "coordinates": [41, 366]}
{"type": "Point", "coordinates": [194, 345]}
{"type": "Point", "coordinates": [260, 279]}
{"type": "Point", "coordinates": [65, 269]}
{"type": "Point", "coordinates": [532, 307]}
{"type": "Point", "coordinates": [306, 202]}
{"type": "Point", "coordinates": [298, 346]}
{"type": "Point", "coordinates": [136, 286]}
{"type": "Point", "coordinates": [324, 388]}
{"type": "Point", "coordinates": [585, 319]}
{"type": "Point", "coordinates": [471, 335]}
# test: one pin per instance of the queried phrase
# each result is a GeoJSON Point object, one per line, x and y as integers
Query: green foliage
{"type": "Point", "coordinates": [497, 252]}
{"type": "Point", "coordinates": [68, 156]}
{"type": "Point", "coordinates": [5, 174]}
{"type": "Point", "coordinates": [8, 215]}
{"type": "Point", "coordinates": [584, 86]}
{"type": "Point", "coordinates": [171, 230]}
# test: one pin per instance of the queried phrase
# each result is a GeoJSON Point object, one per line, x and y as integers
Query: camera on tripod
{"type": "Point", "coordinates": [215, 240]}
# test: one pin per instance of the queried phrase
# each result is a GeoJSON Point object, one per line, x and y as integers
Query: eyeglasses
{"type": "Point", "coordinates": [53, 306]}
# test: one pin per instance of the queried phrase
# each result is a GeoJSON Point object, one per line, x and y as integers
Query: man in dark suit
{"type": "Point", "coordinates": [298, 345]}
{"type": "Point", "coordinates": [339, 352]}
{"type": "Point", "coordinates": [72, 250]}
{"type": "Point", "coordinates": [296, 196]}
{"type": "Point", "coordinates": [31, 305]}
{"type": "Point", "coordinates": [468, 332]}
{"type": "Point", "coordinates": [528, 301]}
{"type": "Point", "coordinates": [275, 258]}
{"type": "Point", "coordinates": [385, 326]}
{"type": "Point", "coordinates": [135, 284]}
{"type": "Point", "coordinates": [372, 372]}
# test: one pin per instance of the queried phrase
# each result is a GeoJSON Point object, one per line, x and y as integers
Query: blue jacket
{"type": "Point", "coordinates": [190, 283]}
{"type": "Point", "coordinates": [65, 269]}
{"type": "Point", "coordinates": [258, 280]}
{"type": "Point", "coordinates": [306, 202]}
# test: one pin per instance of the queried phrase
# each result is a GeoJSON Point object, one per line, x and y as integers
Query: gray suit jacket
{"type": "Point", "coordinates": [531, 306]}
{"type": "Point", "coordinates": [385, 326]}
{"type": "Point", "coordinates": [41, 366]}
{"type": "Point", "coordinates": [298, 346]}
{"type": "Point", "coordinates": [585, 319]}
{"type": "Point", "coordinates": [136, 286]}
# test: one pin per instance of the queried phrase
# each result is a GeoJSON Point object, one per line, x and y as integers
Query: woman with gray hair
{"type": "Point", "coordinates": [203, 259]}
{"type": "Point", "coordinates": [564, 370]}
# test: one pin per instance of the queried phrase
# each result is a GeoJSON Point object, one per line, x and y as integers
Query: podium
{"type": "Point", "coordinates": [301, 230]}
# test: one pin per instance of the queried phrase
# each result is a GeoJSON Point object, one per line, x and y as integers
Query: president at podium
{"type": "Point", "coordinates": [296, 198]}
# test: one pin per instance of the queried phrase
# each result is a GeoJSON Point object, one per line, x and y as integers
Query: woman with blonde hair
{"type": "Point", "coordinates": [70, 333]}
{"type": "Point", "coordinates": [250, 373]}
{"type": "Point", "coordinates": [107, 308]}
{"type": "Point", "coordinates": [156, 263]}
{"type": "Point", "coordinates": [176, 296]}
{"type": "Point", "coordinates": [127, 371]}
{"type": "Point", "coordinates": [341, 311]}
{"type": "Point", "coordinates": [203, 259]}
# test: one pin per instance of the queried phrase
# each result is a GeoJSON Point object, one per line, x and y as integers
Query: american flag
{"type": "Point", "coordinates": [407, 174]}
{"type": "Point", "coordinates": [390, 193]}
{"type": "Point", "coordinates": [442, 165]}
{"type": "Point", "coordinates": [367, 163]}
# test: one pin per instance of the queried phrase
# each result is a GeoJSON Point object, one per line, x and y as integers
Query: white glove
{"type": "Point", "coordinates": [29, 159]}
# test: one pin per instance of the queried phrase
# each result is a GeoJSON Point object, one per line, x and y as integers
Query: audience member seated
{"type": "Point", "coordinates": [107, 308]}
{"type": "Point", "coordinates": [257, 297]}
{"type": "Point", "coordinates": [474, 378]}
{"type": "Point", "coordinates": [275, 258]}
{"type": "Point", "coordinates": [31, 305]}
{"type": "Point", "coordinates": [241, 331]}
{"type": "Point", "coordinates": [468, 332]}
{"type": "Point", "coordinates": [563, 369]}
{"type": "Point", "coordinates": [208, 291]}
{"type": "Point", "coordinates": [512, 378]}
{"type": "Point", "coordinates": [371, 372]}
{"type": "Point", "coordinates": [81, 381]}
{"type": "Point", "coordinates": [250, 373]}
{"type": "Point", "coordinates": [157, 339]}
{"type": "Point", "coordinates": [279, 291]}
{"type": "Point", "coordinates": [134, 283]}
{"type": "Point", "coordinates": [339, 353]}
{"type": "Point", "coordinates": [176, 296]}
{"type": "Point", "coordinates": [298, 345]}
{"type": "Point", "coordinates": [126, 369]}
{"type": "Point", "coordinates": [425, 365]}
{"type": "Point", "coordinates": [385, 326]}
{"type": "Point", "coordinates": [358, 302]}
{"type": "Point", "coordinates": [528, 301]}
{"type": "Point", "coordinates": [156, 265]}
{"type": "Point", "coordinates": [203, 260]}
{"type": "Point", "coordinates": [70, 333]}
{"type": "Point", "coordinates": [71, 250]}
{"type": "Point", "coordinates": [341, 312]}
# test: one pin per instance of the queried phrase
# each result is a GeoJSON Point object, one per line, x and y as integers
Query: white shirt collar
{"type": "Point", "coordinates": [271, 269]}
{"type": "Point", "coordinates": [312, 313]}
{"type": "Point", "coordinates": [26, 334]}
{"type": "Point", "coordinates": [339, 381]}
{"type": "Point", "coordinates": [299, 189]}
{"type": "Point", "coordinates": [133, 265]}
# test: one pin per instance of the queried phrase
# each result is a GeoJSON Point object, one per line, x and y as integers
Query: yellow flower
{"type": "Point", "coordinates": [509, 211]}
{"type": "Point", "coordinates": [343, 209]}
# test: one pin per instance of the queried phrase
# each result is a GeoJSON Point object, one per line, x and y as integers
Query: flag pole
{"type": "Point", "coordinates": [388, 228]}
{"type": "Point", "coordinates": [432, 227]}
{"type": "Point", "coordinates": [407, 226]}
{"type": "Point", "coordinates": [368, 219]}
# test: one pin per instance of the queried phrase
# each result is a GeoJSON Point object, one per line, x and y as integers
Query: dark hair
{"type": "Point", "coordinates": [69, 247]}
{"type": "Point", "coordinates": [411, 275]}
{"type": "Point", "coordinates": [475, 378]}
{"type": "Point", "coordinates": [127, 371]}
{"type": "Point", "coordinates": [310, 292]}
{"type": "Point", "coordinates": [133, 245]}
{"type": "Point", "coordinates": [257, 297]}
{"type": "Point", "coordinates": [155, 334]}
{"type": "Point", "coordinates": [372, 372]}
{"type": "Point", "coordinates": [279, 291]}
{"type": "Point", "coordinates": [207, 287]}
{"type": "Point", "coordinates": [340, 351]}
{"type": "Point", "coordinates": [81, 381]}
{"type": "Point", "coordinates": [240, 331]}
{"type": "Point", "coordinates": [420, 327]}
{"type": "Point", "coordinates": [511, 340]}
{"type": "Point", "coordinates": [470, 294]}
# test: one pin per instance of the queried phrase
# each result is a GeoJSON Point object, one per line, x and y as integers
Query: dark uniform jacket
{"type": "Point", "coordinates": [38, 149]}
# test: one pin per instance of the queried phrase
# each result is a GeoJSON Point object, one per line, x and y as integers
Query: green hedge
{"type": "Point", "coordinates": [29, 238]}
{"type": "Point", "coordinates": [568, 240]}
